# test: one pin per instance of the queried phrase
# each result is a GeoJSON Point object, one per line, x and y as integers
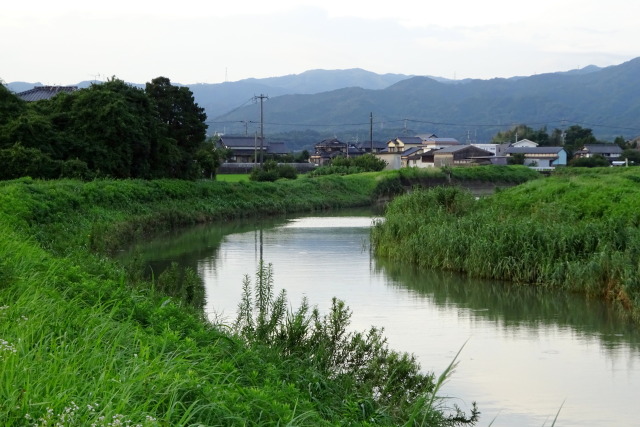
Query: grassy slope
{"type": "Point", "coordinates": [577, 230]}
{"type": "Point", "coordinates": [81, 342]}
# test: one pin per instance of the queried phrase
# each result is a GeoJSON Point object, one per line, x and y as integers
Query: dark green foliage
{"type": "Point", "coordinates": [596, 161]}
{"type": "Point", "coordinates": [349, 165]}
{"type": "Point", "coordinates": [182, 283]}
{"type": "Point", "coordinates": [20, 161]}
{"type": "Point", "coordinates": [271, 171]}
{"type": "Point", "coordinates": [633, 155]}
{"type": "Point", "coordinates": [116, 129]}
{"type": "Point", "coordinates": [358, 362]}
{"type": "Point", "coordinates": [184, 122]}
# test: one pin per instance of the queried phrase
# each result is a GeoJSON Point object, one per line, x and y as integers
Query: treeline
{"type": "Point", "coordinates": [571, 139]}
{"type": "Point", "coordinates": [110, 130]}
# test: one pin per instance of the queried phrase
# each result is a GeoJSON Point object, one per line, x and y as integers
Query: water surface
{"type": "Point", "coordinates": [527, 354]}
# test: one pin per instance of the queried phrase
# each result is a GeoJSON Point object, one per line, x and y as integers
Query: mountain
{"type": "Point", "coordinates": [221, 98]}
{"type": "Point", "coordinates": [606, 100]}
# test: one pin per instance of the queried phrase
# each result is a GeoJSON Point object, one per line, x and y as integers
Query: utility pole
{"type": "Point", "coordinates": [371, 131]}
{"type": "Point", "coordinates": [261, 98]}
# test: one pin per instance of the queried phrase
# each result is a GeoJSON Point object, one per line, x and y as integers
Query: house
{"type": "Point", "coordinates": [39, 93]}
{"type": "Point", "coordinates": [540, 157]}
{"type": "Point", "coordinates": [393, 159]}
{"type": "Point", "coordinates": [372, 146]}
{"type": "Point", "coordinates": [410, 157]}
{"type": "Point", "coordinates": [610, 152]}
{"type": "Point", "coordinates": [328, 149]}
{"type": "Point", "coordinates": [245, 149]}
{"type": "Point", "coordinates": [460, 155]}
{"type": "Point", "coordinates": [436, 142]}
{"type": "Point", "coordinates": [524, 143]}
{"type": "Point", "coordinates": [278, 149]}
{"type": "Point", "coordinates": [495, 149]}
{"type": "Point", "coordinates": [400, 144]}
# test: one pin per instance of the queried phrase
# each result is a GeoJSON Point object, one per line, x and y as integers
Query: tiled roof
{"type": "Point", "coordinates": [278, 148]}
{"type": "Point", "coordinates": [534, 150]}
{"type": "Point", "coordinates": [410, 139]}
{"type": "Point", "coordinates": [44, 92]}
{"type": "Point", "coordinates": [603, 149]}
{"type": "Point", "coordinates": [240, 141]}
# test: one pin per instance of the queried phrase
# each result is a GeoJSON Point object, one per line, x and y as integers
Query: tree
{"type": "Point", "coordinates": [522, 132]}
{"type": "Point", "coordinates": [576, 137]}
{"type": "Point", "coordinates": [113, 127]}
{"type": "Point", "coordinates": [184, 123]}
{"type": "Point", "coordinates": [632, 155]}
{"type": "Point", "coordinates": [596, 161]}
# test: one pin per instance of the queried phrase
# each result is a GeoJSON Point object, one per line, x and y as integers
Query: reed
{"type": "Point", "coordinates": [577, 232]}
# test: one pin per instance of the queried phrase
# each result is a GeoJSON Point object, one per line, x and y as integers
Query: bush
{"type": "Point", "coordinates": [19, 161]}
{"type": "Point", "coordinates": [272, 171]}
{"type": "Point", "coordinates": [76, 169]}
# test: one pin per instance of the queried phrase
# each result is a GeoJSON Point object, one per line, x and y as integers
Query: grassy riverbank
{"type": "Point", "coordinates": [577, 230]}
{"type": "Point", "coordinates": [85, 342]}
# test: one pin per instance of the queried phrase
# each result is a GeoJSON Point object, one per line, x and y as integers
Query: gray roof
{"type": "Point", "coordinates": [240, 141]}
{"type": "Point", "coordinates": [444, 140]}
{"type": "Point", "coordinates": [377, 145]}
{"type": "Point", "coordinates": [44, 92]}
{"type": "Point", "coordinates": [278, 148]}
{"type": "Point", "coordinates": [456, 148]}
{"type": "Point", "coordinates": [409, 139]}
{"type": "Point", "coordinates": [534, 150]}
{"type": "Point", "coordinates": [603, 148]}
{"type": "Point", "coordinates": [410, 151]}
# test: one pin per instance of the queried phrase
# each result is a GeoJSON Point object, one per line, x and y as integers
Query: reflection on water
{"type": "Point", "coordinates": [527, 350]}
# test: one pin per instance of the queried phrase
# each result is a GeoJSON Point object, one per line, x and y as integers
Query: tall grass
{"type": "Point", "coordinates": [85, 342]}
{"type": "Point", "coordinates": [575, 232]}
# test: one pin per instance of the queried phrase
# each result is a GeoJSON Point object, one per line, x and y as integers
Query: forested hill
{"type": "Point", "coordinates": [606, 100]}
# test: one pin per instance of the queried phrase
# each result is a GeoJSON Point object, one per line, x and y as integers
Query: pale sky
{"type": "Point", "coordinates": [68, 41]}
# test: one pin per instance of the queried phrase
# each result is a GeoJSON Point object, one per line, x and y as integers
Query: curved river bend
{"type": "Point", "coordinates": [528, 354]}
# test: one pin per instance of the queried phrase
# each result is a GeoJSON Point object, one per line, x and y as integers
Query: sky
{"type": "Point", "coordinates": [67, 41]}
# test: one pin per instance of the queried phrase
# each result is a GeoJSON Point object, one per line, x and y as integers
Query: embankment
{"type": "Point", "coordinates": [577, 230]}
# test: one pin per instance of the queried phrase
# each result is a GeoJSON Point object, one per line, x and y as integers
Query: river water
{"type": "Point", "coordinates": [525, 355]}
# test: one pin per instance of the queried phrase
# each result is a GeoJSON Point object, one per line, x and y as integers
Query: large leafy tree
{"type": "Point", "coordinates": [185, 127]}
{"type": "Point", "coordinates": [112, 126]}
{"type": "Point", "coordinates": [522, 132]}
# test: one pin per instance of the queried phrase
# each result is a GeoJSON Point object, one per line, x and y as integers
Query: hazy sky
{"type": "Point", "coordinates": [189, 41]}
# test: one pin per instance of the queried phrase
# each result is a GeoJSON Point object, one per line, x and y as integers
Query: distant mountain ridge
{"type": "Point", "coordinates": [604, 99]}
{"type": "Point", "coordinates": [469, 109]}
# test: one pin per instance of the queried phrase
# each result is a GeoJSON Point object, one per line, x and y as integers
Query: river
{"type": "Point", "coordinates": [526, 355]}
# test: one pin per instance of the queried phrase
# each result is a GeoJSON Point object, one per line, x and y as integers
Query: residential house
{"type": "Point", "coordinates": [461, 155]}
{"type": "Point", "coordinates": [400, 144]}
{"type": "Point", "coordinates": [496, 149]}
{"type": "Point", "coordinates": [524, 143]}
{"type": "Point", "coordinates": [610, 152]}
{"type": "Point", "coordinates": [44, 92]}
{"type": "Point", "coordinates": [245, 149]}
{"type": "Point", "coordinates": [435, 142]}
{"type": "Point", "coordinates": [540, 157]}
{"type": "Point", "coordinates": [278, 149]}
{"type": "Point", "coordinates": [328, 149]}
{"type": "Point", "coordinates": [372, 146]}
{"type": "Point", "coordinates": [410, 157]}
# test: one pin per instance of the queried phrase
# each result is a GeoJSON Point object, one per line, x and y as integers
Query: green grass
{"type": "Point", "coordinates": [232, 177]}
{"type": "Point", "coordinates": [84, 341]}
{"type": "Point", "coordinates": [574, 231]}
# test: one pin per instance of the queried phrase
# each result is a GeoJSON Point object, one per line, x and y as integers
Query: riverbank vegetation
{"type": "Point", "coordinates": [577, 230]}
{"type": "Point", "coordinates": [85, 341]}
